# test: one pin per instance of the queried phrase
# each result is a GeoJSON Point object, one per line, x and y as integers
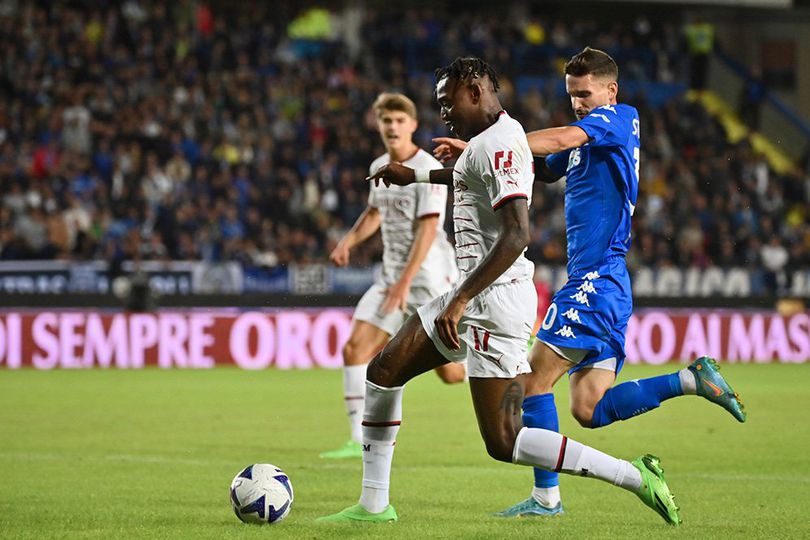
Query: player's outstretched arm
{"type": "Point", "coordinates": [448, 149]}
{"type": "Point", "coordinates": [552, 140]}
{"type": "Point", "coordinates": [513, 239]}
{"type": "Point", "coordinates": [400, 175]}
{"type": "Point", "coordinates": [367, 224]}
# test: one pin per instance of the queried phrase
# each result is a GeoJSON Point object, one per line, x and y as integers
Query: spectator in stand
{"type": "Point", "coordinates": [148, 117]}
{"type": "Point", "coordinates": [753, 94]}
{"type": "Point", "coordinates": [774, 258]}
{"type": "Point", "coordinates": [699, 36]}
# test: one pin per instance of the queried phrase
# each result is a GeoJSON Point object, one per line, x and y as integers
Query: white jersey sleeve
{"type": "Point", "coordinates": [503, 164]}
{"type": "Point", "coordinates": [431, 200]}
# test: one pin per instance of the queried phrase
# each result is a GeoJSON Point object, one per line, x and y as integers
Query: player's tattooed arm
{"type": "Point", "coordinates": [552, 140]}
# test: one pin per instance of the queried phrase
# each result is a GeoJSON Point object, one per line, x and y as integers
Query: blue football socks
{"type": "Point", "coordinates": [541, 412]}
{"type": "Point", "coordinates": [632, 398]}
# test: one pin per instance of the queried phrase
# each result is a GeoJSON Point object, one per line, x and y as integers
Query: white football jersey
{"type": "Point", "coordinates": [401, 208]}
{"type": "Point", "coordinates": [496, 166]}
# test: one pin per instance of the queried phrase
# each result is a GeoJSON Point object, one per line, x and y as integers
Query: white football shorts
{"type": "Point", "coordinates": [369, 309]}
{"type": "Point", "coordinates": [494, 330]}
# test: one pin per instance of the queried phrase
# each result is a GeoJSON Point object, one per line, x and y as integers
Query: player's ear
{"type": "Point", "coordinates": [475, 92]}
{"type": "Point", "coordinates": [613, 89]}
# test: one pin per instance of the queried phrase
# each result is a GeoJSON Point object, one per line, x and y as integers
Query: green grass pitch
{"type": "Point", "coordinates": [150, 454]}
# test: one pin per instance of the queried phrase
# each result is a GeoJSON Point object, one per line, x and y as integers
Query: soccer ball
{"type": "Point", "coordinates": [261, 493]}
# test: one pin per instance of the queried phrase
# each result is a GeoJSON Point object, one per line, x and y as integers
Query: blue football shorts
{"type": "Point", "coordinates": [587, 319]}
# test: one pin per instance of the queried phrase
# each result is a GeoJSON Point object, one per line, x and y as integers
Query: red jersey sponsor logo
{"type": "Point", "coordinates": [503, 165]}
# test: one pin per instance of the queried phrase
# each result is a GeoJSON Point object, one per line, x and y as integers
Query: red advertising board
{"type": "Point", "coordinates": [307, 338]}
{"type": "Point", "coordinates": [293, 338]}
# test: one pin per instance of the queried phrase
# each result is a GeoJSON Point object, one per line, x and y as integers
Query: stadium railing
{"type": "Point", "coordinates": [777, 120]}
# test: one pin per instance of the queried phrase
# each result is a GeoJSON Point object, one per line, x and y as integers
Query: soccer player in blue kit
{"type": "Point", "coordinates": [583, 332]}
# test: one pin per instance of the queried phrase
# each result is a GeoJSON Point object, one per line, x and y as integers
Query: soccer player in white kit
{"type": "Point", "coordinates": [487, 318]}
{"type": "Point", "coordinates": [418, 262]}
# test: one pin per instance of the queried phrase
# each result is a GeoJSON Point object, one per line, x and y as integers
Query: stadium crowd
{"type": "Point", "coordinates": [142, 131]}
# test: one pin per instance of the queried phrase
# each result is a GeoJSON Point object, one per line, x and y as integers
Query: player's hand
{"type": "Point", "coordinates": [447, 323]}
{"type": "Point", "coordinates": [393, 173]}
{"type": "Point", "coordinates": [448, 149]}
{"type": "Point", "coordinates": [340, 255]}
{"type": "Point", "coordinates": [397, 297]}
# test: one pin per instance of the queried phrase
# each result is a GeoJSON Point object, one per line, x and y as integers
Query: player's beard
{"type": "Point", "coordinates": [453, 128]}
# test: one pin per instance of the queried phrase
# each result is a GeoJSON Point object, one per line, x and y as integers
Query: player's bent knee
{"type": "Point", "coordinates": [355, 353]}
{"type": "Point", "coordinates": [379, 372]}
{"type": "Point", "coordinates": [582, 414]}
{"type": "Point", "coordinates": [387, 368]}
{"type": "Point", "coordinates": [350, 353]}
{"type": "Point", "coordinates": [451, 373]}
{"type": "Point", "coordinates": [501, 447]}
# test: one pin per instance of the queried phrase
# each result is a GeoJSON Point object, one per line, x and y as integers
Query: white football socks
{"type": "Point", "coordinates": [354, 389]}
{"type": "Point", "coordinates": [688, 383]}
{"type": "Point", "coordinates": [548, 497]}
{"type": "Point", "coordinates": [554, 452]}
{"type": "Point", "coordinates": [383, 414]}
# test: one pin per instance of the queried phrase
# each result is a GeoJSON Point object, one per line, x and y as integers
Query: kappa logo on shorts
{"type": "Point", "coordinates": [587, 287]}
{"type": "Point", "coordinates": [592, 275]}
{"type": "Point", "coordinates": [584, 290]}
{"type": "Point", "coordinates": [581, 297]}
{"type": "Point", "coordinates": [565, 331]}
{"type": "Point", "coordinates": [572, 315]}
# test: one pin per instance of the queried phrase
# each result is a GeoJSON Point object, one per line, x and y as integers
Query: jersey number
{"type": "Point", "coordinates": [551, 314]}
{"type": "Point", "coordinates": [573, 158]}
{"type": "Point", "coordinates": [636, 150]}
{"type": "Point", "coordinates": [481, 341]}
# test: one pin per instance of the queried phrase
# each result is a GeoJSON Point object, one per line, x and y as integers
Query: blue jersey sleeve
{"type": "Point", "coordinates": [558, 162]}
{"type": "Point", "coordinates": [608, 125]}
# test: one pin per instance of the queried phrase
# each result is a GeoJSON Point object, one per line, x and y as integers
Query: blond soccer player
{"type": "Point", "coordinates": [418, 263]}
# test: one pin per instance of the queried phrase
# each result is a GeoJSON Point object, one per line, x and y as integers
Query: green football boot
{"type": "Point", "coordinates": [357, 513]}
{"type": "Point", "coordinates": [349, 450]}
{"type": "Point", "coordinates": [712, 386]}
{"type": "Point", "coordinates": [654, 491]}
{"type": "Point", "coordinates": [530, 508]}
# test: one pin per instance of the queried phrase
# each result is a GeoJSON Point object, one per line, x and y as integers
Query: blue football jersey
{"type": "Point", "coordinates": [601, 186]}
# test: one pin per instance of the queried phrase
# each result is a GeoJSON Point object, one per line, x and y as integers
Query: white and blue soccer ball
{"type": "Point", "coordinates": [261, 494]}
